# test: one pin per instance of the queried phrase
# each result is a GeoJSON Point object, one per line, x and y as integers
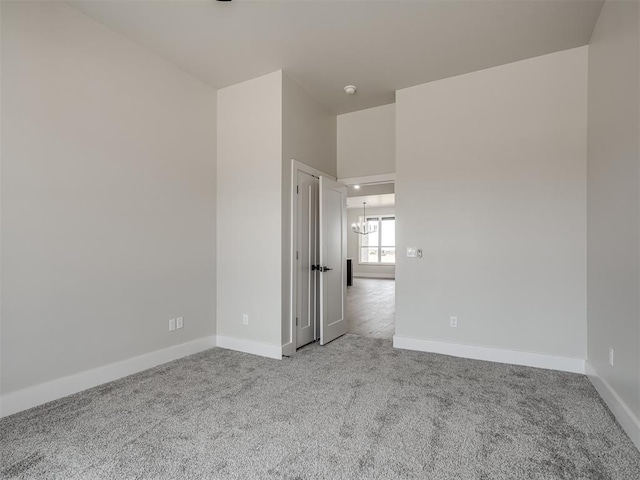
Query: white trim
{"type": "Point", "coordinates": [369, 179]}
{"type": "Point", "coordinates": [538, 360]}
{"type": "Point", "coordinates": [30, 397]}
{"type": "Point", "coordinates": [374, 275]}
{"type": "Point", "coordinates": [297, 165]}
{"type": "Point", "coordinates": [627, 419]}
{"type": "Point", "coordinates": [249, 346]}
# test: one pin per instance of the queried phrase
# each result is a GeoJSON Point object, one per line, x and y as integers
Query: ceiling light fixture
{"type": "Point", "coordinates": [357, 187]}
{"type": "Point", "coordinates": [350, 89]}
{"type": "Point", "coordinates": [364, 227]}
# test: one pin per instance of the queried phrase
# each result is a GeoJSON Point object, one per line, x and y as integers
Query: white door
{"type": "Point", "coordinates": [307, 259]}
{"type": "Point", "coordinates": [333, 259]}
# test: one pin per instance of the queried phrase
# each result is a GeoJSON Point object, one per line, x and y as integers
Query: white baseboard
{"type": "Point", "coordinates": [30, 397]}
{"type": "Point", "coordinates": [374, 275]}
{"type": "Point", "coordinates": [250, 346]}
{"type": "Point", "coordinates": [627, 419]}
{"type": "Point", "coordinates": [538, 360]}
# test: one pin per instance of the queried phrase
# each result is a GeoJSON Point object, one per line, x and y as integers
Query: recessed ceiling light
{"type": "Point", "coordinates": [357, 187]}
{"type": "Point", "coordinates": [350, 89]}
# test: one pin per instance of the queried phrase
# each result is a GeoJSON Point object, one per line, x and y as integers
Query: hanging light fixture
{"type": "Point", "coordinates": [364, 227]}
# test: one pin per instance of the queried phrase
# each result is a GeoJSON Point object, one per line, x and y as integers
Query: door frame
{"type": "Point", "coordinates": [369, 179]}
{"type": "Point", "coordinates": [289, 348]}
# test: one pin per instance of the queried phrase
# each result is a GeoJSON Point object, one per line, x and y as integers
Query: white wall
{"type": "Point", "coordinates": [614, 201]}
{"type": "Point", "coordinates": [367, 142]}
{"type": "Point", "coordinates": [262, 124]}
{"type": "Point", "coordinates": [365, 270]}
{"type": "Point", "coordinates": [108, 197]}
{"type": "Point", "coordinates": [490, 183]}
{"type": "Point", "coordinates": [308, 130]}
{"type": "Point", "coordinates": [249, 247]}
{"type": "Point", "coordinates": [308, 136]}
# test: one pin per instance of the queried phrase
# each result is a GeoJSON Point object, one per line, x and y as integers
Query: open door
{"type": "Point", "coordinates": [333, 259]}
{"type": "Point", "coordinates": [307, 258]}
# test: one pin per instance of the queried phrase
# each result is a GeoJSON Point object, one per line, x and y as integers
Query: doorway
{"type": "Point", "coordinates": [319, 251]}
{"type": "Point", "coordinates": [371, 296]}
{"type": "Point", "coordinates": [371, 307]}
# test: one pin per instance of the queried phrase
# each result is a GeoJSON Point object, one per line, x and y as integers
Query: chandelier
{"type": "Point", "coordinates": [364, 227]}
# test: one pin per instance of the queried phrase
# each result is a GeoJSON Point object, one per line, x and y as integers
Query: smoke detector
{"type": "Point", "coordinates": [350, 89]}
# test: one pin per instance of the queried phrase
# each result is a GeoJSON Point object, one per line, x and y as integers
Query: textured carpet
{"type": "Point", "coordinates": [354, 409]}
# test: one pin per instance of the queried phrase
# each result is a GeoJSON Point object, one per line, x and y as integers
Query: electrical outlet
{"type": "Point", "coordinates": [172, 324]}
{"type": "Point", "coordinates": [179, 322]}
{"type": "Point", "coordinates": [245, 319]}
{"type": "Point", "coordinates": [453, 322]}
{"type": "Point", "coordinates": [611, 357]}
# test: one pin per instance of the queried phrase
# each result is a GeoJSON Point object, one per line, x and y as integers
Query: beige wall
{"type": "Point", "coordinates": [614, 200]}
{"type": "Point", "coordinates": [249, 247]}
{"type": "Point", "coordinates": [364, 270]}
{"type": "Point", "coordinates": [367, 142]}
{"type": "Point", "coordinates": [308, 136]}
{"type": "Point", "coordinates": [490, 183]}
{"type": "Point", "coordinates": [108, 197]}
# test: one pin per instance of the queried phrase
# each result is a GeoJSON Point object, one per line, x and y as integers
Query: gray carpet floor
{"type": "Point", "coordinates": [354, 409]}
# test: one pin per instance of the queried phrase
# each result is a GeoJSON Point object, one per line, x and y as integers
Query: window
{"type": "Point", "coordinates": [379, 247]}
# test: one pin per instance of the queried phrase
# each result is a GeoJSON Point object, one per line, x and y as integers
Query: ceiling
{"type": "Point", "coordinates": [370, 189]}
{"type": "Point", "coordinates": [379, 46]}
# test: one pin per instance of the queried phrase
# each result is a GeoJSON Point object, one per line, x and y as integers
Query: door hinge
{"type": "Point", "coordinates": [296, 321]}
{"type": "Point", "coordinates": [296, 255]}
{"type": "Point", "coordinates": [297, 188]}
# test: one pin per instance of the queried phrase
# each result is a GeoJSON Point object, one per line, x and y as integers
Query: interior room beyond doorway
{"type": "Point", "coordinates": [370, 301]}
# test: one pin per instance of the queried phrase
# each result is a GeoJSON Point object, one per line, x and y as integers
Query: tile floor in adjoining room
{"type": "Point", "coordinates": [371, 307]}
